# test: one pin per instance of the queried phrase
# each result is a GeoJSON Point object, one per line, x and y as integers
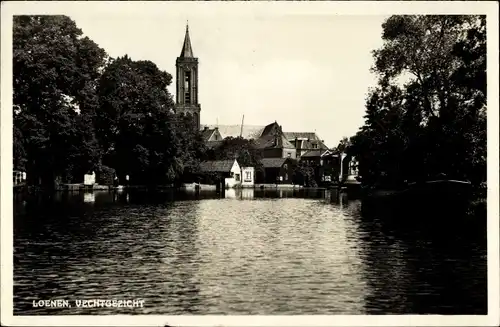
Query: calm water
{"type": "Point", "coordinates": [250, 252]}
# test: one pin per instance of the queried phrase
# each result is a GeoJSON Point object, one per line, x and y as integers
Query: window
{"type": "Point", "coordinates": [285, 166]}
{"type": "Point", "coordinates": [237, 177]}
{"type": "Point", "coordinates": [314, 146]}
{"type": "Point", "coordinates": [286, 176]}
{"type": "Point", "coordinates": [289, 155]}
{"type": "Point", "coordinates": [187, 87]}
{"type": "Point", "coordinates": [248, 176]}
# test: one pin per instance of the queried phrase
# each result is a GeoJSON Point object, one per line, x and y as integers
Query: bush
{"type": "Point", "coordinates": [105, 176]}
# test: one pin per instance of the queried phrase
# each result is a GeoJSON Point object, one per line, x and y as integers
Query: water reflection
{"type": "Point", "coordinates": [240, 252]}
{"type": "Point", "coordinates": [89, 197]}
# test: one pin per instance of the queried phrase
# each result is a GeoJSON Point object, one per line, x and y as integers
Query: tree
{"type": "Point", "coordinates": [139, 133]}
{"type": "Point", "coordinates": [192, 149]}
{"type": "Point", "coordinates": [243, 150]}
{"type": "Point", "coordinates": [55, 71]}
{"type": "Point", "coordinates": [343, 145]}
{"type": "Point", "coordinates": [435, 122]}
{"type": "Point", "coordinates": [304, 174]}
{"type": "Point", "coordinates": [135, 124]}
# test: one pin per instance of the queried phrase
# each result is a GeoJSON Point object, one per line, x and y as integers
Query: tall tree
{"type": "Point", "coordinates": [135, 125]}
{"type": "Point", "coordinates": [139, 133]}
{"type": "Point", "coordinates": [55, 71]}
{"type": "Point", "coordinates": [243, 150]}
{"type": "Point", "coordinates": [434, 122]}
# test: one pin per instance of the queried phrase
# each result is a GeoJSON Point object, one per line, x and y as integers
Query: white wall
{"type": "Point", "coordinates": [89, 179]}
{"type": "Point", "coordinates": [236, 176]}
{"type": "Point", "coordinates": [248, 176]}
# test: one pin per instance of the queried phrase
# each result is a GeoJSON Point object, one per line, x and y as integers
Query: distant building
{"type": "Point", "coordinates": [306, 142]}
{"type": "Point", "coordinates": [247, 176]}
{"type": "Point", "coordinates": [273, 143]}
{"type": "Point", "coordinates": [211, 137]}
{"type": "Point", "coordinates": [211, 134]}
{"type": "Point", "coordinates": [187, 82]}
{"type": "Point", "coordinates": [271, 139]}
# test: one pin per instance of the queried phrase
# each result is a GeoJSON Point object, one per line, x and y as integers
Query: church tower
{"type": "Point", "coordinates": [187, 82]}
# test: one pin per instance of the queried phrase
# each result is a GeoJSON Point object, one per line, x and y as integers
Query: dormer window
{"type": "Point", "coordinates": [314, 146]}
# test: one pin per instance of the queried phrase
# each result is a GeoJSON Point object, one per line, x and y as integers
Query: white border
{"type": "Point", "coordinates": [490, 8]}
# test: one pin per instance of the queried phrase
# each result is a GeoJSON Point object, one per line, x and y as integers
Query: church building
{"type": "Point", "coordinates": [187, 82]}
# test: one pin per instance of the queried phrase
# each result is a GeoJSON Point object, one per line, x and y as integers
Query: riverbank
{"type": "Point", "coordinates": [183, 187]}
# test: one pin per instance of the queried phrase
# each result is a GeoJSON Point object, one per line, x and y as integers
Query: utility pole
{"type": "Point", "coordinates": [241, 130]}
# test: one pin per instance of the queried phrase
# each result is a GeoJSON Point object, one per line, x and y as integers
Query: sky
{"type": "Point", "coordinates": [307, 71]}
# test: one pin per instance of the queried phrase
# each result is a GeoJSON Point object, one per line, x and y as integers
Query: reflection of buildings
{"type": "Point", "coordinates": [89, 197]}
{"type": "Point", "coordinates": [247, 193]}
{"type": "Point", "coordinates": [230, 194]}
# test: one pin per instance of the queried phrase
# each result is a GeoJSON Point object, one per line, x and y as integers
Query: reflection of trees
{"type": "Point", "coordinates": [415, 272]}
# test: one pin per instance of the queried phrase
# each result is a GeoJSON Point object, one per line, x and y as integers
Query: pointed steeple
{"type": "Point", "coordinates": [187, 51]}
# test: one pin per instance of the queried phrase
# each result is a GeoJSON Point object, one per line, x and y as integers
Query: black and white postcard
{"type": "Point", "coordinates": [256, 163]}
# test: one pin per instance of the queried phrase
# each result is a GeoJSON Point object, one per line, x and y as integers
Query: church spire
{"type": "Point", "coordinates": [187, 51]}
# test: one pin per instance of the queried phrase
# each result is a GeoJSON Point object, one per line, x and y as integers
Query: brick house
{"type": "Point", "coordinates": [305, 142]}
{"type": "Point", "coordinates": [273, 143]}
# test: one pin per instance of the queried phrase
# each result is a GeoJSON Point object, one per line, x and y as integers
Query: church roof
{"type": "Point", "coordinates": [187, 50]}
{"type": "Point", "coordinates": [249, 131]}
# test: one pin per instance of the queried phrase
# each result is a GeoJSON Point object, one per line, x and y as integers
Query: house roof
{"type": "Point", "coordinates": [218, 166]}
{"type": "Point", "coordinates": [207, 133]}
{"type": "Point", "coordinates": [268, 128]}
{"type": "Point", "coordinates": [263, 136]}
{"type": "Point", "coordinates": [268, 142]}
{"type": "Point", "coordinates": [273, 162]}
{"type": "Point", "coordinates": [303, 135]}
{"type": "Point", "coordinates": [249, 131]}
{"type": "Point", "coordinates": [308, 138]}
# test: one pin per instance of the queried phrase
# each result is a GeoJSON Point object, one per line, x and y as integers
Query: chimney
{"type": "Point", "coordinates": [298, 145]}
{"type": "Point", "coordinates": [279, 139]}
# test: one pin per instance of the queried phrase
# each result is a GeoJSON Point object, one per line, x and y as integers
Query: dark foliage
{"type": "Point", "coordinates": [76, 111]}
{"type": "Point", "coordinates": [435, 123]}
{"type": "Point", "coordinates": [105, 176]}
{"type": "Point", "coordinates": [55, 73]}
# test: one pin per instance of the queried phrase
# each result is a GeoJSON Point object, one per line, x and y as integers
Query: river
{"type": "Point", "coordinates": [247, 252]}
